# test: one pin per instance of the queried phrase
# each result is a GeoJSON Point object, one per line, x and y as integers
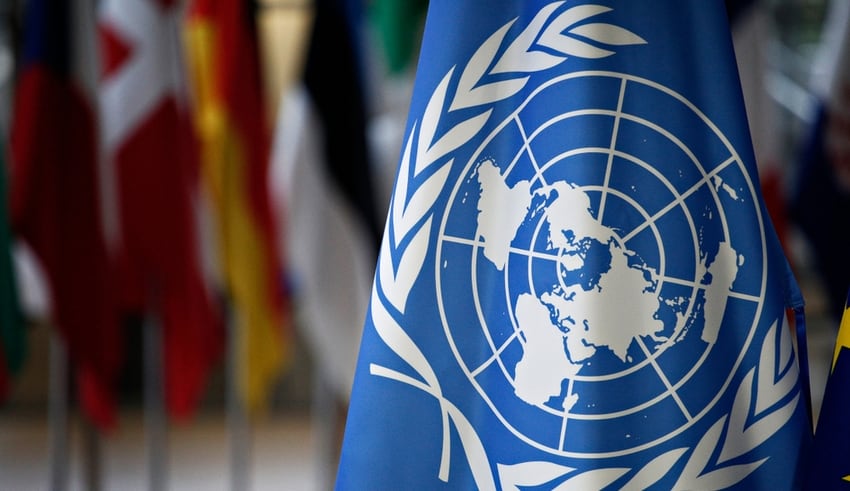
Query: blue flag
{"type": "Point", "coordinates": [830, 456]}
{"type": "Point", "coordinates": [578, 285]}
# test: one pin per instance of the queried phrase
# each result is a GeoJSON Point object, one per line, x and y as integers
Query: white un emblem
{"type": "Point", "coordinates": [586, 266]}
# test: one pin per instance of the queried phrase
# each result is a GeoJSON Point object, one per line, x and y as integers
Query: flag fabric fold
{"type": "Point", "coordinates": [235, 157]}
{"type": "Point", "coordinates": [150, 148]}
{"type": "Point", "coordinates": [56, 190]}
{"type": "Point", "coordinates": [578, 285]}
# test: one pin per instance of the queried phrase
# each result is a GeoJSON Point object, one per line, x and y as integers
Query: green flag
{"type": "Point", "coordinates": [12, 338]}
{"type": "Point", "coordinates": [399, 26]}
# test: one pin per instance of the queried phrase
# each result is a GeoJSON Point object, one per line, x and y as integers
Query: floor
{"type": "Point", "coordinates": [282, 457]}
{"type": "Point", "coordinates": [285, 450]}
{"type": "Point", "coordinates": [280, 450]}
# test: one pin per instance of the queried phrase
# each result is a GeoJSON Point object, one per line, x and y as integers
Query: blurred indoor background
{"type": "Point", "coordinates": [335, 78]}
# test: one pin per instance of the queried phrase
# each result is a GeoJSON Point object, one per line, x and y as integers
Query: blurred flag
{"type": "Point", "coordinates": [399, 27]}
{"type": "Point", "coordinates": [578, 286]}
{"type": "Point", "coordinates": [12, 334]}
{"type": "Point", "coordinates": [150, 145]}
{"type": "Point", "coordinates": [235, 156]}
{"type": "Point", "coordinates": [334, 79]}
{"type": "Point", "coordinates": [751, 37]}
{"type": "Point", "coordinates": [824, 168]}
{"type": "Point", "coordinates": [830, 456]}
{"type": "Point", "coordinates": [4, 376]}
{"type": "Point", "coordinates": [323, 181]}
{"type": "Point", "coordinates": [56, 193]}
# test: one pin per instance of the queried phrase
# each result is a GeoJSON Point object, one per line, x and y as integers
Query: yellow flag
{"type": "Point", "coordinates": [223, 54]}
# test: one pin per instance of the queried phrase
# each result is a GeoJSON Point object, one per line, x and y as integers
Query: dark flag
{"type": "Point", "coordinates": [324, 179]}
{"type": "Point", "coordinates": [821, 196]}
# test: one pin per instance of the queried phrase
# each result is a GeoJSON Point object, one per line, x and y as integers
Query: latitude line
{"type": "Point", "coordinates": [514, 250]}
{"type": "Point", "coordinates": [496, 355]}
{"type": "Point", "coordinates": [612, 149]}
{"type": "Point", "coordinates": [744, 296]}
{"type": "Point", "coordinates": [554, 257]}
{"type": "Point", "coordinates": [748, 297]}
{"type": "Point", "coordinates": [679, 281]}
{"type": "Point", "coordinates": [461, 240]}
{"type": "Point", "coordinates": [676, 202]}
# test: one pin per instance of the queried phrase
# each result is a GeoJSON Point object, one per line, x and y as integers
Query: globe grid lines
{"type": "Point", "coordinates": [546, 256]}
{"type": "Point", "coordinates": [540, 179]}
{"type": "Point", "coordinates": [612, 150]}
{"type": "Point", "coordinates": [535, 254]}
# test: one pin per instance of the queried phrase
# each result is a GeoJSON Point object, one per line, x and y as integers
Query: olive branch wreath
{"type": "Point", "coordinates": [422, 175]}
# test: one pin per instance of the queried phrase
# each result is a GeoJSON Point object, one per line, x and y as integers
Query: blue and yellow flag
{"type": "Point", "coordinates": [830, 457]}
{"type": "Point", "coordinates": [579, 286]}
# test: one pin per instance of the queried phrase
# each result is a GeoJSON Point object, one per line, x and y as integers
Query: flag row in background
{"type": "Point", "coordinates": [139, 136]}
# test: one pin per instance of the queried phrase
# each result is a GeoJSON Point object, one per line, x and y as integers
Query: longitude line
{"type": "Point", "coordinates": [681, 197]}
{"type": "Point", "coordinates": [612, 147]}
{"type": "Point", "coordinates": [526, 145]}
{"type": "Point", "coordinates": [665, 380]}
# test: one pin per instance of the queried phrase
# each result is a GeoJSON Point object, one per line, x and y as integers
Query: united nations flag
{"type": "Point", "coordinates": [579, 286]}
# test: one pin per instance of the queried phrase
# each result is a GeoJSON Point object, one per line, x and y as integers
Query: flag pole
{"type": "Point", "coordinates": [237, 414]}
{"type": "Point", "coordinates": [92, 467]}
{"type": "Point", "coordinates": [155, 419]}
{"type": "Point", "coordinates": [59, 434]}
{"type": "Point", "coordinates": [324, 421]}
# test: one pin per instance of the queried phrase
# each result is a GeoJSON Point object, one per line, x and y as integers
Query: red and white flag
{"type": "Point", "coordinates": [149, 144]}
{"type": "Point", "coordinates": [55, 190]}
